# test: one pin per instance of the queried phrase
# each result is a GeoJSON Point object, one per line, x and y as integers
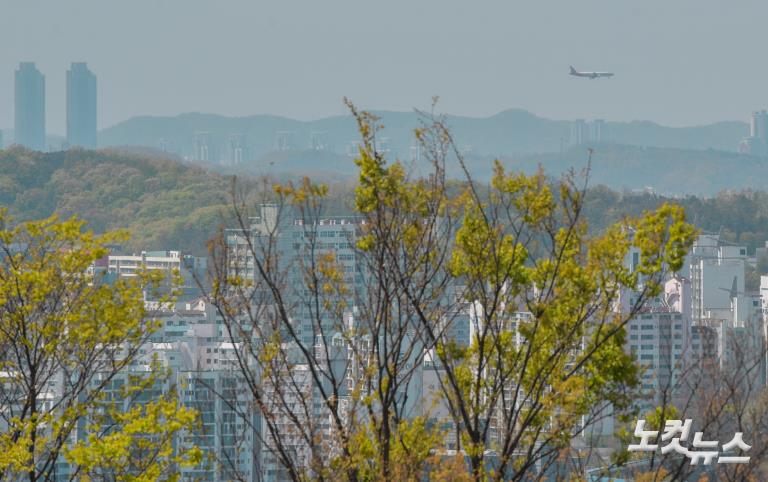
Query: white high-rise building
{"type": "Point", "coordinates": [756, 144]}
{"type": "Point", "coordinates": [716, 270]}
{"type": "Point", "coordinates": [659, 339]}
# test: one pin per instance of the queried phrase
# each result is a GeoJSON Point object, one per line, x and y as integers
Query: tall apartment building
{"type": "Point", "coordinates": [204, 374]}
{"type": "Point", "coordinates": [201, 371]}
{"type": "Point", "coordinates": [756, 143]}
{"type": "Point", "coordinates": [716, 270]}
{"type": "Point", "coordinates": [585, 132]}
{"type": "Point", "coordinates": [296, 241]}
{"type": "Point", "coordinates": [81, 106]}
{"type": "Point", "coordinates": [579, 132]}
{"type": "Point", "coordinates": [728, 331]}
{"type": "Point", "coordinates": [659, 340]}
{"type": "Point", "coordinates": [191, 269]}
{"type": "Point", "coordinates": [238, 151]}
{"type": "Point", "coordinates": [202, 147]}
{"type": "Point", "coordinates": [30, 107]}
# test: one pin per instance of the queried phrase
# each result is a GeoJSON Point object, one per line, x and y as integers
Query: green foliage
{"type": "Point", "coordinates": [163, 203]}
{"type": "Point", "coordinates": [166, 203]}
{"type": "Point", "coordinates": [740, 216]}
{"type": "Point", "coordinates": [522, 245]}
{"type": "Point", "coordinates": [411, 453]}
{"type": "Point", "coordinates": [64, 338]}
{"type": "Point", "coordinates": [143, 449]}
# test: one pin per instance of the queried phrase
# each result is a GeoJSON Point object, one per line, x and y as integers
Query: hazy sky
{"type": "Point", "coordinates": [677, 62]}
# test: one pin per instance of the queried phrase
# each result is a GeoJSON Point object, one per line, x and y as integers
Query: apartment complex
{"type": "Point", "coordinates": [702, 317]}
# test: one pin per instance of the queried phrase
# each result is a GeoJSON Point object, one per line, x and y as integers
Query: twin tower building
{"type": "Point", "coordinates": [30, 107]}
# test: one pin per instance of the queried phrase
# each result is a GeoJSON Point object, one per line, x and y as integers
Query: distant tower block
{"type": "Point", "coordinates": [81, 106]}
{"type": "Point", "coordinates": [756, 144]}
{"type": "Point", "coordinates": [202, 146]}
{"type": "Point", "coordinates": [353, 148]}
{"type": "Point", "coordinates": [579, 132]}
{"type": "Point", "coordinates": [163, 144]}
{"type": "Point", "coordinates": [317, 141]}
{"type": "Point", "coordinates": [237, 149]}
{"type": "Point", "coordinates": [416, 152]}
{"type": "Point", "coordinates": [599, 131]}
{"type": "Point", "coordinates": [585, 132]}
{"type": "Point", "coordinates": [759, 124]}
{"type": "Point", "coordinates": [30, 107]}
{"type": "Point", "coordinates": [283, 140]}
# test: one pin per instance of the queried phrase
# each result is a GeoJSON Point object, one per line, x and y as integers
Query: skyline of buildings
{"type": "Point", "coordinates": [700, 322]}
{"type": "Point", "coordinates": [234, 148]}
{"type": "Point", "coordinates": [701, 318]}
{"type": "Point", "coordinates": [30, 107]}
{"type": "Point", "coordinates": [756, 143]}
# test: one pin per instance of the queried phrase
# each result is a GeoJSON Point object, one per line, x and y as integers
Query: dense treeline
{"type": "Point", "coordinates": [739, 216]}
{"type": "Point", "coordinates": [163, 203]}
{"type": "Point", "coordinates": [169, 204]}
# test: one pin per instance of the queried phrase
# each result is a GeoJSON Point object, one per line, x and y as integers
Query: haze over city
{"type": "Point", "coordinates": [677, 63]}
{"type": "Point", "coordinates": [236, 244]}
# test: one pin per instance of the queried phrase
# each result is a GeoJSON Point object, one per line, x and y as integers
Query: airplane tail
{"type": "Point", "coordinates": [573, 71]}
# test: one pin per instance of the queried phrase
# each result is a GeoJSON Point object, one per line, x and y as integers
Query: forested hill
{"type": "Point", "coordinates": [164, 203]}
{"type": "Point", "coordinates": [167, 204]}
{"type": "Point", "coordinates": [739, 216]}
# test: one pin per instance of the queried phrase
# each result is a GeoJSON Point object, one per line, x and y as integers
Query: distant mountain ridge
{"type": "Point", "coordinates": [667, 171]}
{"type": "Point", "coordinates": [510, 132]}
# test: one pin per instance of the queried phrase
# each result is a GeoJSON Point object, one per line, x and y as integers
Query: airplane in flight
{"type": "Point", "coordinates": [590, 75]}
